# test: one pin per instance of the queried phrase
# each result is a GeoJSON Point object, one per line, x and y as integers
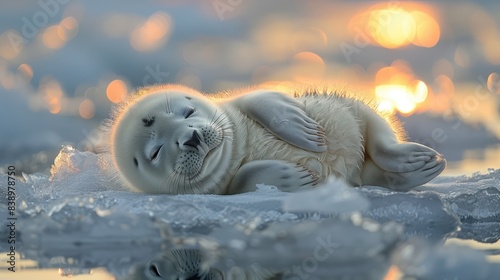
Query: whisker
{"type": "Point", "coordinates": [218, 118]}
{"type": "Point", "coordinates": [165, 182]}
{"type": "Point", "coordinates": [169, 103]}
{"type": "Point", "coordinates": [165, 105]}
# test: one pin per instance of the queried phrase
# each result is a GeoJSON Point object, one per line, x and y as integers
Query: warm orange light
{"type": "Point", "coordinates": [273, 36]}
{"type": "Point", "coordinates": [51, 37]}
{"type": "Point", "coordinates": [393, 273]}
{"type": "Point", "coordinates": [26, 71]}
{"type": "Point", "coordinates": [397, 89]}
{"type": "Point", "coordinates": [392, 28]}
{"type": "Point", "coordinates": [69, 23]}
{"type": "Point", "coordinates": [11, 44]}
{"type": "Point", "coordinates": [427, 30]}
{"type": "Point", "coordinates": [419, 92]}
{"type": "Point", "coordinates": [444, 85]}
{"type": "Point", "coordinates": [307, 66]}
{"type": "Point", "coordinates": [491, 49]}
{"type": "Point", "coordinates": [87, 109]}
{"type": "Point", "coordinates": [52, 94]}
{"type": "Point", "coordinates": [386, 106]}
{"type": "Point", "coordinates": [68, 28]}
{"type": "Point", "coordinates": [398, 95]}
{"type": "Point", "coordinates": [55, 106]}
{"type": "Point", "coordinates": [395, 25]}
{"type": "Point", "coordinates": [152, 33]}
{"type": "Point", "coordinates": [493, 83]}
{"type": "Point", "coordinates": [116, 91]}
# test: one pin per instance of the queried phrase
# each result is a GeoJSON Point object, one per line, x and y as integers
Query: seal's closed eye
{"type": "Point", "coordinates": [189, 112]}
{"type": "Point", "coordinates": [155, 153]}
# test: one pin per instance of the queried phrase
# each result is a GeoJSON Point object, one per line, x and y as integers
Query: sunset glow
{"type": "Point", "coordinates": [397, 25]}
{"type": "Point", "coordinates": [397, 89]}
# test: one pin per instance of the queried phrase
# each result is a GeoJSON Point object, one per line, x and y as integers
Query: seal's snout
{"type": "Point", "coordinates": [194, 141]}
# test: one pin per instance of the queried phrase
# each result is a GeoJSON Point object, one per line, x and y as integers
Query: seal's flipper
{"type": "Point", "coordinates": [403, 164]}
{"type": "Point", "coordinates": [287, 176]}
{"type": "Point", "coordinates": [284, 117]}
{"type": "Point", "coordinates": [372, 174]}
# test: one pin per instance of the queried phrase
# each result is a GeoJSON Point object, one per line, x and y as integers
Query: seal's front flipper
{"type": "Point", "coordinates": [284, 117]}
{"type": "Point", "coordinates": [287, 176]}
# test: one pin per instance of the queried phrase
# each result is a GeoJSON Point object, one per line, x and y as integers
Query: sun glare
{"type": "Point", "coordinates": [397, 89]}
{"type": "Point", "coordinates": [397, 25]}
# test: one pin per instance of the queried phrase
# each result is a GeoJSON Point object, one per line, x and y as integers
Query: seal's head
{"type": "Point", "coordinates": [171, 140]}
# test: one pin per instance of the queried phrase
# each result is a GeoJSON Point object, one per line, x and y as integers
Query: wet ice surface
{"type": "Point", "coordinates": [79, 218]}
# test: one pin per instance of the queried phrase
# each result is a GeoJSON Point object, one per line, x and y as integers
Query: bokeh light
{"type": "Point", "coordinates": [11, 44]}
{"type": "Point", "coordinates": [307, 67]}
{"type": "Point", "coordinates": [52, 38]}
{"type": "Point", "coordinates": [493, 83]}
{"type": "Point", "coordinates": [57, 35]}
{"type": "Point", "coordinates": [53, 94]}
{"type": "Point", "coordinates": [392, 28]}
{"type": "Point", "coordinates": [26, 71]}
{"type": "Point", "coordinates": [68, 28]}
{"type": "Point", "coordinates": [116, 91]}
{"type": "Point", "coordinates": [395, 25]}
{"type": "Point", "coordinates": [86, 109]}
{"type": "Point", "coordinates": [427, 30]}
{"type": "Point", "coordinates": [152, 34]}
{"type": "Point", "coordinates": [396, 88]}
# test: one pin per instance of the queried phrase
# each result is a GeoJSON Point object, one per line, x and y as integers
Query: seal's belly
{"type": "Point", "coordinates": [345, 145]}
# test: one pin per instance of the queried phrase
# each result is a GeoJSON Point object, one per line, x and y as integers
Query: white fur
{"type": "Point", "coordinates": [362, 146]}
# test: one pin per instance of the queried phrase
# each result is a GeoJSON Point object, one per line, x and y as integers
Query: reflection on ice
{"type": "Point", "coordinates": [79, 218]}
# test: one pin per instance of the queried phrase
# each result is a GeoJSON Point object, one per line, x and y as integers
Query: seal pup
{"type": "Point", "coordinates": [173, 139]}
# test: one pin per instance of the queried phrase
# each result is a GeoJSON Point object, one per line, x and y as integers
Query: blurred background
{"type": "Point", "coordinates": [64, 63]}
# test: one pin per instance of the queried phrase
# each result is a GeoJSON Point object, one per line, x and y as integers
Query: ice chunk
{"type": "Point", "coordinates": [335, 196]}
{"type": "Point", "coordinates": [424, 214]}
{"type": "Point", "coordinates": [418, 260]}
{"type": "Point", "coordinates": [474, 198]}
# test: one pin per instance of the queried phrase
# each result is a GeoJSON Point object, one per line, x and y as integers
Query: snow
{"type": "Point", "coordinates": [80, 217]}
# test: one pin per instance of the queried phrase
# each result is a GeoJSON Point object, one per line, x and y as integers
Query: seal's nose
{"type": "Point", "coordinates": [194, 141]}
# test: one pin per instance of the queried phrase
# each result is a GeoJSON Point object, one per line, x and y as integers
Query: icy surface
{"type": "Point", "coordinates": [80, 213]}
